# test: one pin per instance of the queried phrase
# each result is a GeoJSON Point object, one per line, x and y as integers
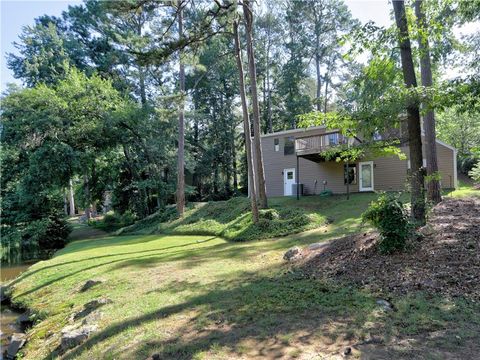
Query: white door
{"type": "Point", "coordinates": [366, 176]}
{"type": "Point", "coordinates": [288, 181]}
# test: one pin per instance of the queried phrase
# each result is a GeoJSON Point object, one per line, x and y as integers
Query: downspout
{"type": "Point", "coordinates": [298, 180]}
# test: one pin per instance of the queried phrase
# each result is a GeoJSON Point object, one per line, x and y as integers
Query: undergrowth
{"type": "Point", "coordinates": [230, 219]}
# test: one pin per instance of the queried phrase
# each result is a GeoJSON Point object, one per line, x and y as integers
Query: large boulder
{"type": "Point", "coordinates": [16, 343]}
{"type": "Point", "coordinates": [73, 336]}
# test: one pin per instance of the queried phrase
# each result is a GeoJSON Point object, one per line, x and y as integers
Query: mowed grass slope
{"type": "Point", "coordinates": [232, 219]}
{"type": "Point", "coordinates": [202, 297]}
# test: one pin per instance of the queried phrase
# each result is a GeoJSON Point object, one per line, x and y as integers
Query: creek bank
{"type": "Point", "coordinates": [82, 323]}
{"type": "Point", "coordinates": [15, 323]}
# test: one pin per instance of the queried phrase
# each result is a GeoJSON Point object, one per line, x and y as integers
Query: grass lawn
{"type": "Point", "coordinates": [463, 190]}
{"type": "Point", "coordinates": [201, 297]}
{"type": "Point", "coordinates": [232, 219]}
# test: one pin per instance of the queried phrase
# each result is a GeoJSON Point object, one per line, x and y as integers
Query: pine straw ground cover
{"type": "Point", "coordinates": [445, 260]}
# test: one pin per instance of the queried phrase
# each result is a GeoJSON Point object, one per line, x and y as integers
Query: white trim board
{"type": "Point", "coordinates": [455, 175]}
{"type": "Point", "coordinates": [446, 145]}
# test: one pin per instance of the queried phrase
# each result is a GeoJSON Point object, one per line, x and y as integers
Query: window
{"type": "Point", "coordinates": [350, 175]}
{"type": "Point", "coordinates": [333, 139]}
{"type": "Point", "coordinates": [276, 143]}
{"type": "Point", "coordinates": [289, 148]}
{"type": "Point", "coordinates": [289, 175]}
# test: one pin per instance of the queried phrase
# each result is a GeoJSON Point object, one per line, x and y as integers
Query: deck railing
{"type": "Point", "coordinates": [318, 143]}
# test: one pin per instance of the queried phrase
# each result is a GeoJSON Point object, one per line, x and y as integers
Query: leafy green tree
{"type": "Point", "coordinates": [42, 55]}
{"type": "Point", "coordinates": [293, 84]}
{"type": "Point", "coordinates": [49, 134]}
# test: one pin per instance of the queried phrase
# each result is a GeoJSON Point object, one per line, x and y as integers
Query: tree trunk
{"type": "Point", "coordinates": [94, 209]}
{"type": "Point", "coordinates": [87, 197]}
{"type": "Point", "coordinates": [246, 125]}
{"type": "Point", "coordinates": [65, 202]}
{"type": "Point", "coordinates": [262, 192]}
{"type": "Point", "coordinates": [234, 159]}
{"type": "Point", "coordinates": [433, 184]}
{"type": "Point", "coordinates": [181, 123]}
{"type": "Point", "coordinates": [319, 82]}
{"type": "Point", "coordinates": [71, 198]}
{"type": "Point", "coordinates": [143, 95]}
{"type": "Point", "coordinates": [268, 91]}
{"type": "Point", "coordinates": [413, 116]}
{"type": "Point", "coordinates": [318, 56]}
{"type": "Point", "coordinates": [326, 94]}
{"type": "Point", "coordinates": [141, 73]}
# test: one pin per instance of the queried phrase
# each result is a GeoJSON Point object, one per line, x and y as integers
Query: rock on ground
{"type": "Point", "coordinates": [24, 319]}
{"type": "Point", "coordinates": [3, 294]}
{"type": "Point", "coordinates": [89, 284]}
{"type": "Point", "coordinates": [385, 305]}
{"type": "Point", "coordinates": [90, 307]}
{"type": "Point", "coordinates": [73, 336]}
{"type": "Point", "coordinates": [292, 254]}
{"type": "Point", "coordinates": [16, 343]}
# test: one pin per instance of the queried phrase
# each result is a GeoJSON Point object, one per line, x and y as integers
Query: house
{"type": "Point", "coordinates": [294, 156]}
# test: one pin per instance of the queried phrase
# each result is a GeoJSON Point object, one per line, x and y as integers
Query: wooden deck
{"type": "Point", "coordinates": [310, 147]}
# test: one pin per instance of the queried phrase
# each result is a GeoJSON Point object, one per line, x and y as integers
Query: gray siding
{"type": "Point", "coordinates": [390, 173]}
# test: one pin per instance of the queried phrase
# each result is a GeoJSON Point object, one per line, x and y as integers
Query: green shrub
{"type": "Point", "coordinates": [230, 219]}
{"type": "Point", "coordinates": [269, 214]}
{"type": "Point", "coordinates": [389, 216]}
{"type": "Point", "coordinates": [475, 173]}
{"type": "Point", "coordinates": [467, 162]}
{"type": "Point", "coordinates": [150, 223]}
{"type": "Point", "coordinates": [114, 220]}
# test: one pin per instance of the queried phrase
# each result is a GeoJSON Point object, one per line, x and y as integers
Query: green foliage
{"type": "Point", "coordinates": [230, 219]}
{"type": "Point", "coordinates": [114, 221]}
{"type": "Point", "coordinates": [459, 129]}
{"type": "Point", "coordinates": [150, 223]}
{"type": "Point", "coordinates": [389, 216]}
{"type": "Point", "coordinates": [350, 126]}
{"type": "Point", "coordinates": [33, 240]}
{"type": "Point", "coordinates": [475, 173]}
{"type": "Point", "coordinates": [48, 135]}
{"type": "Point", "coordinates": [43, 57]}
